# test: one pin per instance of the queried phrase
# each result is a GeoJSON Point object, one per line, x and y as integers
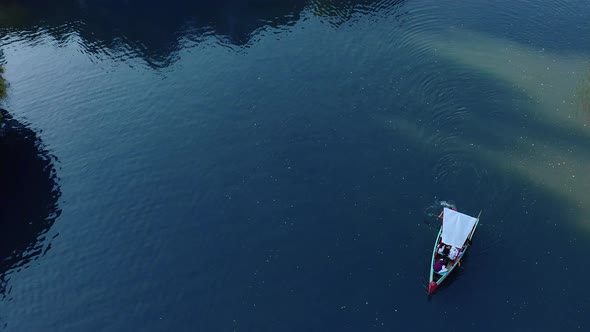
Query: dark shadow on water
{"type": "Point", "coordinates": [151, 30]}
{"type": "Point", "coordinates": [156, 31]}
{"type": "Point", "coordinates": [28, 198]}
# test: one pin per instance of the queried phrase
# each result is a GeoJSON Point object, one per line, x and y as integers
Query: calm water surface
{"type": "Point", "coordinates": [255, 166]}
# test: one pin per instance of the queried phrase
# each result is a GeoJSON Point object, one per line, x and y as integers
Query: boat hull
{"type": "Point", "coordinates": [436, 279]}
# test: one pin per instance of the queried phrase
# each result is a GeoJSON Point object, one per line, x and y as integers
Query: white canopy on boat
{"type": "Point", "coordinates": [456, 227]}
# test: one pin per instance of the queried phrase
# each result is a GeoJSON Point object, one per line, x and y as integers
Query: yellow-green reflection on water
{"type": "Point", "coordinates": [556, 94]}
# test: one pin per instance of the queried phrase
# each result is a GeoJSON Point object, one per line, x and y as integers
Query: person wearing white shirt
{"type": "Point", "coordinates": [453, 253]}
{"type": "Point", "coordinates": [449, 251]}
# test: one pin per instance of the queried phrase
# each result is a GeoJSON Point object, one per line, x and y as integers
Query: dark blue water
{"type": "Point", "coordinates": [254, 166]}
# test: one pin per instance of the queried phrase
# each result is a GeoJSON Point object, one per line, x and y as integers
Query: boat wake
{"type": "Point", "coordinates": [434, 210]}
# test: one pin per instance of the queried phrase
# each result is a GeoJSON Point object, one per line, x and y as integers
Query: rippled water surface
{"type": "Point", "coordinates": [274, 166]}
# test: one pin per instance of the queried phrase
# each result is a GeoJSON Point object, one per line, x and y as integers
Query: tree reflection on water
{"type": "Point", "coordinates": [28, 198]}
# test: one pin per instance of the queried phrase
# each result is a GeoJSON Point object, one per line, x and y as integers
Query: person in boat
{"type": "Point", "coordinates": [449, 251]}
{"type": "Point", "coordinates": [453, 252]}
{"type": "Point", "coordinates": [440, 265]}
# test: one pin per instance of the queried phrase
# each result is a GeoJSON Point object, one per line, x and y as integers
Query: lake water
{"type": "Point", "coordinates": [274, 166]}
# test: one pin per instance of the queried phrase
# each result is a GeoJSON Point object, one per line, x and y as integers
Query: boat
{"type": "Point", "coordinates": [456, 231]}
